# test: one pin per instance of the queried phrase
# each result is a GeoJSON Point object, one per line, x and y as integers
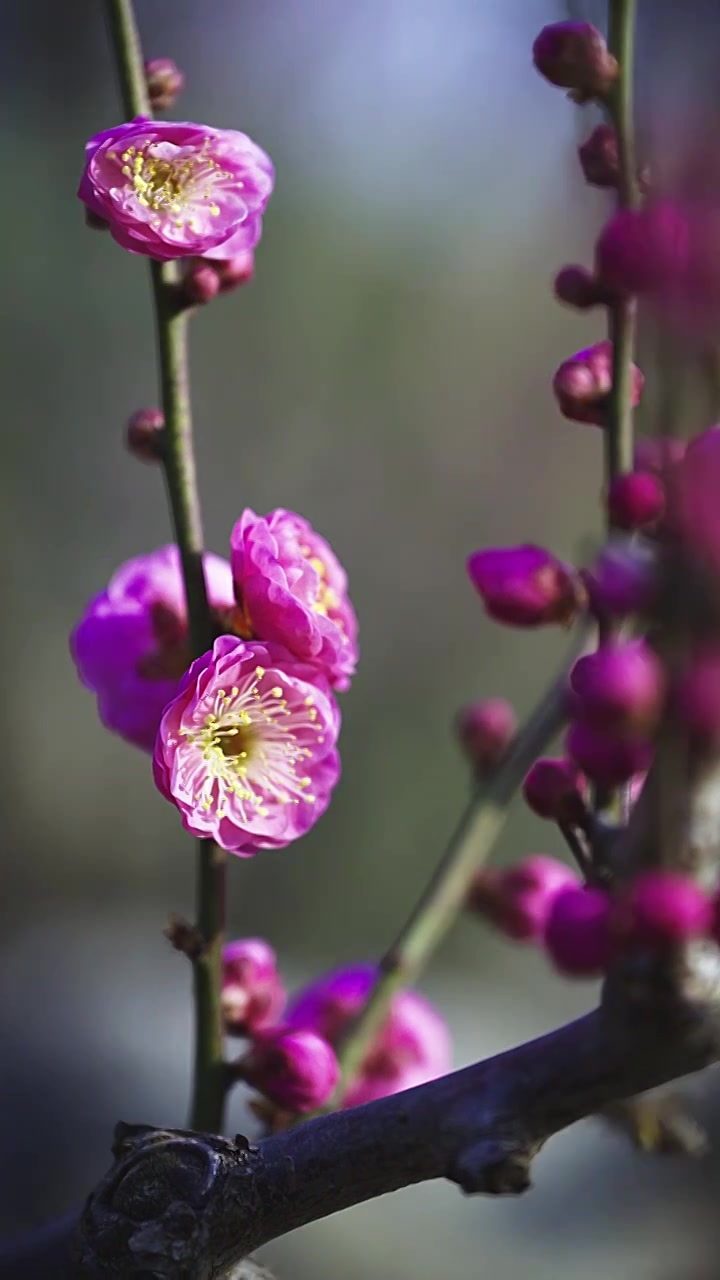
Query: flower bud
{"type": "Point", "coordinates": [623, 580]}
{"type": "Point", "coordinates": [525, 586]}
{"type": "Point", "coordinates": [664, 908]}
{"type": "Point", "coordinates": [583, 383]}
{"type": "Point", "coordinates": [165, 82]}
{"type": "Point", "coordinates": [578, 938]}
{"type": "Point", "coordinates": [621, 686]}
{"type": "Point", "coordinates": [636, 500]}
{"type": "Point", "coordinates": [201, 283]}
{"type": "Point", "coordinates": [486, 728]}
{"type": "Point", "coordinates": [252, 996]}
{"type": "Point", "coordinates": [574, 55]}
{"type": "Point", "coordinates": [696, 698]}
{"type": "Point", "coordinates": [554, 789]}
{"type": "Point", "coordinates": [606, 755]}
{"type": "Point", "coordinates": [577, 287]}
{"type": "Point", "coordinates": [146, 435]}
{"type": "Point", "coordinates": [518, 900]}
{"type": "Point", "coordinates": [643, 251]}
{"type": "Point", "coordinates": [294, 1067]}
{"type": "Point", "coordinates": [599, 157]}
{"type": "Point", "coordinates": [412, 1046]}
{"type": "Point", "coordinates": [233, 272]}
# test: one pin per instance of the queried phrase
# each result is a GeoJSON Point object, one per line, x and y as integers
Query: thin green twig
{"type": "Point", "coordinates": [206, 1112]}
{"type": "Point", "coordinates": [445, 895]}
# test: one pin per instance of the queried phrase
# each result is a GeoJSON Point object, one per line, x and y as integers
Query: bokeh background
{"type": "Point", "coordinates": [387, 374]}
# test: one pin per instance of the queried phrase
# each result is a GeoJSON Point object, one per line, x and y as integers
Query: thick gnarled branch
{"type": "Point", "coordinates": [185, 1206]}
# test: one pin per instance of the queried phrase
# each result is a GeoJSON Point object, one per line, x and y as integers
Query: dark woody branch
{"type": "Point", "coordinates": [189, 1206]}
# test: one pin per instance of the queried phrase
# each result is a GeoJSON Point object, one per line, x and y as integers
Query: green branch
{"type": "Point", "coordinates": [445, 895]}
{"type": "Point", "coordinates": [181, 480]}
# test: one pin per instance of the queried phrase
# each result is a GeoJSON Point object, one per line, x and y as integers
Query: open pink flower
{"type": "Point", "coordinates": [173, 189]}
{"type": "Point", "coordinates": [412, 1047]}
{"type": "Point", "coordinates": [292, 590]}
{"type": "Point", "coordinates": [246, 751]}
{"type": "Point", "coordinates": [131, 647]}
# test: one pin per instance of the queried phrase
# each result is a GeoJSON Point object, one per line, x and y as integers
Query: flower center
{"type": "Point", "coordinates": [168, 184]}
{"type": "Point", "coordinates": [250, 748]}
{"type": "Point", "coordinates": [326, 600]}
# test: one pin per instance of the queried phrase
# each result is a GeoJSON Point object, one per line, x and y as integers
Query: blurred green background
{"type": "Point", "coordinates": [388, 375]}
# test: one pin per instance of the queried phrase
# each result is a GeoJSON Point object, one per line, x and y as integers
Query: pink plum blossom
{"type": "Point", "coordinates": [252, 995]}
{"type": "Point", "coordinates": [292, 590]}
{"type": "Point", "coordinates": [525, 586]}
{"type": "Point", "coordinates": [174, 189]}
{"type": "Point", "coordinates": [412, 1047]}
{"type": "Point", "coordinates": [131, 646]}
{"type": "Point", "coordinates": [246, 750]}
{"type": "Point", "coordinates": [294, 1067]}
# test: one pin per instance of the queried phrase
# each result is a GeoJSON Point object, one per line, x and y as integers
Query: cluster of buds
{"type": "Point", "coordinates": [585, 929]}
{"type": "Point", "coordinates": [291, 1059]}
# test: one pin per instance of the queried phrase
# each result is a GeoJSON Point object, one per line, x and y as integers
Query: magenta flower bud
{"type": "Point", "coordinates": [578, 936]}
{"type": "Point", "coordinates": [574, 55]}
{"type": "Point", "coordinates": [145, 435]}
{"type": "Point", "coordinates": [525, 586]}
{"type": "Point", "coordinates": [577, 287]}
{"type": "Point", "coordinates": [486, 728]}
{"type": "Point", "coordinates": [696, 698]}
{"type": "Point", "coordinates": [165, 81]}
{"type": "Point", "coordinates": [636, 500]}
{"type": "Point", "coordinates": [253, 996]}
{"type": "Point", "coordinates": [234, 272]}
{"type": "Point", "coordinates": [644, 251]}
{"type": "Point", "coordinates": [606, 755]}
{"type": "Point", "coordinates": [201, 284]}
{"type": "Point", "coordinates": [583, 383]}
{"type": "Point", "coordinates": [599, 157]}
{"type": "Point", "coordinates": [620, 686]}
{"type": "Point", "coordinates": [554, 788]}
{"type": "Point", "coordinates": [664, 908]}
{"type": "Point", "coordinates": [413, 1045]}
{"type": "Point", "coordinates": [294, 1067]}
{"type": "Point", "coordinates": [518, 900]}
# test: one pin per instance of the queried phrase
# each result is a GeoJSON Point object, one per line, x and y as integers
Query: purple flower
{"type": "Point", "coordinates": [131, 646]}
{"type": "Point", "coordinates": [525, 586]}
{"type": "Point", "coordinates": [295, 1068]}
{"type": "Point", "coordinates": [412, 1047]}
{"type": "Point", "coordinates": [623, 580]}
{"type": "Point", "coordinates": [292, 590]}
{"type": "Point", "coordinates": [253, 996]}
{"type": "Point", "coordinates": [246, 751]}
{"type": "Point", "coordinates": [636, 500]}
{"type": "Point", "coordinates": [173, 189]}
